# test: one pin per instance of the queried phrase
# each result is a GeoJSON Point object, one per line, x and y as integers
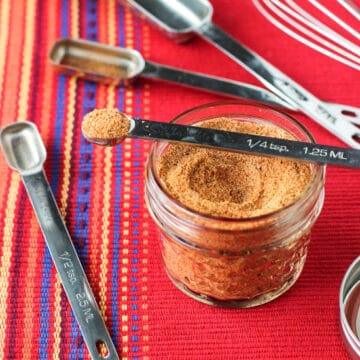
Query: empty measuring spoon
{"type": "Point", "coordinates": [179, 18]}
{"type": "Point", "coordinates": [116, 65]}
{"type": "Point", "coordinates": [25, 153]}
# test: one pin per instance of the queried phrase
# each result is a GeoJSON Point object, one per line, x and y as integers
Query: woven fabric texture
{"type": "Point", "coordinates": [100, 192]}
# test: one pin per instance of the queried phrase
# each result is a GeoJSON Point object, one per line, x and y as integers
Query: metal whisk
{"type": "Point", "coordinates": [322, 36]}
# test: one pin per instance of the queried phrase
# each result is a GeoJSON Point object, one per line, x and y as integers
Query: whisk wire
{"type": "Point", "coordinates": [307, 29]}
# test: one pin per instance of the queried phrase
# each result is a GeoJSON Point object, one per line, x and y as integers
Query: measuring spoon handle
{"type": "Point", "coordinates": [281, 84]}
{"type": "Point", "coordinates": [212, 84]}
{"type": "Point", "coordinates": [246, 143]}
{"type": "Point", "coordinates": [68, 265]}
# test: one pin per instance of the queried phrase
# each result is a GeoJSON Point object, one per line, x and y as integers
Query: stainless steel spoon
{"type": "Point", "coordinates": [226, 140]}
{"type": "Point", "coordinates": [92, 60]}
{"type": "Point", "coordinates": [181, 18]}
{"type": "Point", "coordinates": [25, 153]}
{"type": "Point", "coordinates": [115, 65]}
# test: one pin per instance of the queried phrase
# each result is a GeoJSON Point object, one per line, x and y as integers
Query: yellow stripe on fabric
{"type": "Point", "coordinates": [57, 318]}
{"type": "Point", "coordinates": [70, 115]}
{"type": "Point", "coordinates": [129, 28]}
{"type": "Point", "coordinates": [31, 275]}
{"type": "Point", "coordinates": [5, 260]}
{"type": "Point", "coordinates": [145, 222]}
{"type": "Point", "coordinates": [112, 15]}
{"type": "Point", "coordinates": [27, 59]}
{"type": "Point", "coordinates": [106, 223]}
{"type": "Point", "coordinates": [105, 231]}
{"type": "Point", "coordinates": [127, 146]}
{"type": "Point", "coordinates": [69, 129]}
{"type": "Point", "coordinates": [4, 32]}
{"type": "Point", "coordinates": [22, 114]}
{"type": "Point", "coordinates": [125, 233]}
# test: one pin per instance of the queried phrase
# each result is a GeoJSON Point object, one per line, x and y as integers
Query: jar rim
{"type": "Point", "coordinates": [318, 170]}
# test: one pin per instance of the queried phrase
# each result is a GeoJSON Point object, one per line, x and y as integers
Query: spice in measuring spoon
{"type": "Point", "coordinates": [106, 126]}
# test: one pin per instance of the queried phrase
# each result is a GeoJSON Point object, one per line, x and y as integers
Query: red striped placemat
{"type": "Point", "coordinates": [100, 192]}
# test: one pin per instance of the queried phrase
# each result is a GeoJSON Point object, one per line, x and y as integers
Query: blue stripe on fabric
{"type": "Point", "coordinates": [136, 197]}
{"type": "Point", "coordinates": [47, 264]}
{"type": "Point", "coordinates": [116, 243]}
{"type": "Point", "coordinates": [84, 185]}
{"type": "Point", "coordinates": [121, 27]}
{"type": "Point", "coordinates": [82, 208]}
{"type": "Point", "coordinates": [118, 178]}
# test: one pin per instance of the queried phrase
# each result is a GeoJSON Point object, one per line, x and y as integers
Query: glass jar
{"type": "Point", "coordinates": [240, 262]}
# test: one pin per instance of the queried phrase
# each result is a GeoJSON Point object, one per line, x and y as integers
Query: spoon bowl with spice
{"type": "Point", "coordinates": [109, 127]}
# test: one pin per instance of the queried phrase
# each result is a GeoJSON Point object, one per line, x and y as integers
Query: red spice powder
{"type": "Point", "coordinates": [105, 124]}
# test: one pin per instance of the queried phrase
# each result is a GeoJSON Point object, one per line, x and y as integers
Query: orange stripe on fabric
{"type": "Point", "coordinates": [5, 260]}
{"type": "Point", "coordinates": [70, 116]}
{"type": "Point", "coordinates": [107, 34]}
{"type": "Point", "coordinates": [4, 33]}
{"type": "Point", "coordinates": [125, 233]}
{"type": "Point", "coordinates": [47, 115]}
{"type": "Point", "coordinates": [29, 297]}
{"type": "Point", "coordinates": [44, 118]}
{"type": "Point", "coordinates": [49, 75]}
{"type": "Point", "coordinates": [125, 238]}
{"type": "Point", "coordinates": [47, 107]}
{"type": "Point", "coordinates": [43, 113]}
{"type": "Point", "coordinates": [97, 227]}
{"type": "Point", "coordinates": [4, 63]}
{"type": "Point", "coordinates": [66, 174]}
{"type": "Point", "coordinates": [5, 180]}
{"type": "Point", "coordinates": [8, 111]}
{"type": "Point", "coordinates": [10, 212]}
{"type": "Point", "coordinates": [22, 114]}
{"type": "Point", "coordinates": [145, 215]}
{"type": "Point", "coordinates": [96, 204]}
{"type": "Point", "coordinates": [27, 60]}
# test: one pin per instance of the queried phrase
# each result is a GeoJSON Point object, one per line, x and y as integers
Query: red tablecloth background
{"type": "Point", "coordinates": [100, 193]}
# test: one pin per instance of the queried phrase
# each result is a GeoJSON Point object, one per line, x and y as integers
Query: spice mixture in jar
{"type": "Point", "coordinates": [234, 227]}
{"type": "Point", "coordinates": [229, 184]}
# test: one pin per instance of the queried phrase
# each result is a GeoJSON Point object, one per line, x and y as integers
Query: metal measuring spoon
{"type": "Point", "coordinates": [97, 120]}
{"type": "Point", "coordinates": [181, 18]}
{"type": "Point", "coordinates": [26, 153]}
{"type": "Point", "coordinates": [114, 65]}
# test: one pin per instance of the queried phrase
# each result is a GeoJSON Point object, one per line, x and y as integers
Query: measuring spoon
{"type": "Point", "coordinates": [181, 18]}
{"type": "Point", "coordinates": [115, 65]}
{"type": "Point", "coordinates": [25, 153]}
{"type": "Point", "coordinates": [111, 64]}
{"type": "Point", "coordinates": [213, 138]}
